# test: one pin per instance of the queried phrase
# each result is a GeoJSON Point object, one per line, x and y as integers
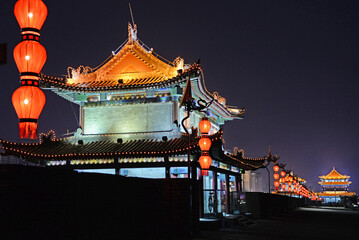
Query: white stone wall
{"type": "Point", "coordinates": [144, 172]}
{"type": "Point", "coordinates": [253, 182]}
{"type": "Point", "coordinates": [134, 118]}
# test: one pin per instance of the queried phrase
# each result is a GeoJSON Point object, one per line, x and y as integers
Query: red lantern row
{"type": "Point", "coordinates": [30, 56]}
{"type": "Point", "coordinates": [205, 145]}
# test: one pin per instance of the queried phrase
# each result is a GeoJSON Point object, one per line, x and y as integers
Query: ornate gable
{"type": "Point", "coordinates": [132, 61]}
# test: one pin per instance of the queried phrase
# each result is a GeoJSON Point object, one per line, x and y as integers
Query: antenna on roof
{"type": "Point", "coordinates": [133, 21]}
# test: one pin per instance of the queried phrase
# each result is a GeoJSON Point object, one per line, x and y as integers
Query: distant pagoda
{"type": "Point", "coordinates": [334, 186]}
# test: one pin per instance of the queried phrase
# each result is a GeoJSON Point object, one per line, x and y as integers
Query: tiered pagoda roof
{"type": "Point", "coordinates": [335, 185]}
{"type": "Point", "coordinates": [334, 175]}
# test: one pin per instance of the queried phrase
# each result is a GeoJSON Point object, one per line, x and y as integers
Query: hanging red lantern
{"type": "Point", "coordinates": [30, 14]}
{"type": "Point", "coordinates": [205, 162]}
{"type": "Point", "coordinates": [28, 102]}
{"type": "Point", "coordinates": [276, 184]}
{"type": "Point", "coordinates": [283, 187]}
{"type": "Point", "coordinates": [275, 168]}
{"type": "Point", "coordinates": [294, 181]}
{"type": "Point", "coordinates": [205, 144]}
{"type": "Point", "coordinates": [204, 126]}
{"type": "Point", "coordinates": [289, 183]}
{"type": "Point", "coordinates": [276, 176]}
{"type": "Point", "coordinates": [282, 173]}
{"type": "Point", "coordinates": [289, 189]}
{"type": "Point", "coordinates": [30, 57]}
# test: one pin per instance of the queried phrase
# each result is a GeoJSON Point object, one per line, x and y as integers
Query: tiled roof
{"type": "Point", "coordinates": [335, 183]}
{"type": "Point", "coordinates": [336, 194]}
{"type": "Point", "coordinates": [334, 175]}
{"type": "Point", "coordinates": [245, 163]}
{"type": "Point", "coordinates": [64, 150]}
{"type": "Point", "coordinates": [113, 85]}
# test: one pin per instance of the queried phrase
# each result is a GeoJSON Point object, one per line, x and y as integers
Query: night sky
{"type": "Point", "coordinates": [292, 64]}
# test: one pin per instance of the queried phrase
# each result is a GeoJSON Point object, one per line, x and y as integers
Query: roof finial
{"type": "Point", "coordinates": [132, 28]}
{"type": "Point", "coordinates": [269, 151]}
{"type": "Point", "coordinates": [333, 168]}
{"type": "Point", "coordinates": [133, 21]}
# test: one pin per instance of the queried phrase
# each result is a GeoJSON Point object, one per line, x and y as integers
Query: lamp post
{"type": "Point", "coordinates": [190, 105]}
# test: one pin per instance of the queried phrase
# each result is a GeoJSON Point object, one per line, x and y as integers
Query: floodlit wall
{"type": "Point", "coordinates": [134, 118]}
{"type": "Point", "coordinates": [253, 182]}
{"type": "Point", "coordinates": [143, 172]}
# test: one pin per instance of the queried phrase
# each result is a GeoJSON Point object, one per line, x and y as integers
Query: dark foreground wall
{"type": "Point", "coordinates": [40, 203]}
{"type": "Point", "coordinates": [263, 205]}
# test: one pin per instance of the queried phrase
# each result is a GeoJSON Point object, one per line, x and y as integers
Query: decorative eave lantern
{"type": "Point", "coordinates": [276, 168]}
{"type": "Point", "coordinates": [30, 56]}
{"type": "Point", "coordinates": [283, 173]}
{"type": "Point", "coordinates": [205, 144]}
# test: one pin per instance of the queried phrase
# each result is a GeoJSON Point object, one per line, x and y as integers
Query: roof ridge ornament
{"type": "Point", "coordinates": [132, 28]}
{"type": "Point", "coordinates": [132, 33]}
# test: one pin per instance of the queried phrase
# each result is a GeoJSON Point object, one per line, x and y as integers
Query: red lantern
{"type": "Point", "coordinates": [283, 187]}
{"type": "Point", "coordinates": [289, 189]}
{"type": "Point", "coordinates": [205, 144]}
{"type": "Point", "coordinates": [277, 188]}
{"type": "Point", "coordinates": [294, 181]}
{"type": "Point", "coordinates": [275, 168]}
{"type": "Point", "coordinates": [205, 162]}
{"type": "Point", "coordinates": [28, 102]}
{"type": "Point", "coordinates": [282, 173]}
{"type": "Point", "coordinates": [30, 57]}
{"type": "Point", "coordinates": [289, 183]}
{"type": "Point", "coordinates": [30, 13]}
{"type": "Point", "coordinates": [276, 184]}
{"type": "Point", "coordinates": [204, 126]}
{"type": "Point", "coordinates": [276, 176]}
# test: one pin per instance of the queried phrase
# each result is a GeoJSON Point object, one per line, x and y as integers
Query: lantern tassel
{"type": "Point", "coordinates": [204, 172]}
{"type": "Point", "coordinates": [28, 130]}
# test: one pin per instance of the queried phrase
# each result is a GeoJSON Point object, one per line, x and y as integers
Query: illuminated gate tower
{"type": "Point", "coordinates": [136, 92]}
{"type": "Point", "coordinates": [334, 185]}
{"type": "Point", "coordinates": [130, 122]}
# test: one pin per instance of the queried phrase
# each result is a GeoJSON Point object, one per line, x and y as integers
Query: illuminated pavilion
{"type": "Point", "coordinates": [130, 119]}
{"type": "Point", "coordinates": [334, 186]}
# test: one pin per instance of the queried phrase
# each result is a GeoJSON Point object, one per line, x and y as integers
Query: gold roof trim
{"type": "Point", "coordinates": [132, 61]}
{"type": "Point", "coordinates": [334, 175]}
{"type": "Point", "coordinates": [335, 183]}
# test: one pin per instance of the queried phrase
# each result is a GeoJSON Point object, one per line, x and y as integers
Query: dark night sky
{"type": "Point", "coordinates": [292, 64]}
